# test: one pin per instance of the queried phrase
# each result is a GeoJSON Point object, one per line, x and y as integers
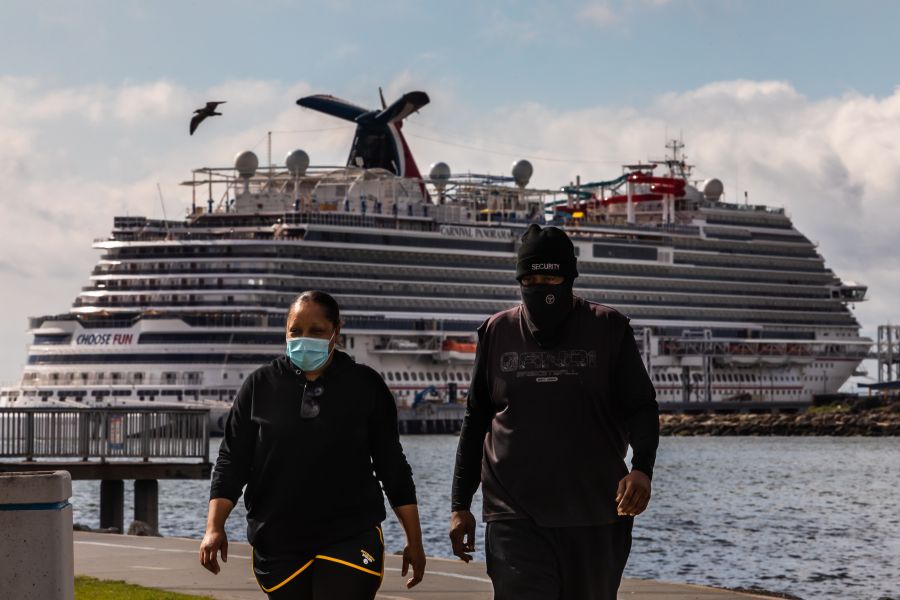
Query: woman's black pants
{"type": "Point", "coordinates": [348, 570]}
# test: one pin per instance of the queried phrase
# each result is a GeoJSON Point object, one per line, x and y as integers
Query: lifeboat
{"type": "Point", "coordinates": [456, 350]}
{"type": "Point", "coordinates": [799, 354]}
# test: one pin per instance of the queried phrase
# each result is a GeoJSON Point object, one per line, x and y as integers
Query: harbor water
{"type": "Point", "coordinates": [813, 517]}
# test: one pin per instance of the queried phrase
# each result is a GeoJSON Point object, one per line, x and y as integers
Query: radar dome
{"type": "Point", "coordinates": [439, 174]}
{"type": "Point", "coordinates": [246, 163]}
{"type": "Point", "coordinates": [522, 172]}
{"type": "Point", "coordinates": [713, 189]}
{"type": "Point", "coordinates": [297, 162]}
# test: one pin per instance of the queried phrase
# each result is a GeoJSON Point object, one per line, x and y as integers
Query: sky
{"type": "Point", "coordinates": [797, 103]}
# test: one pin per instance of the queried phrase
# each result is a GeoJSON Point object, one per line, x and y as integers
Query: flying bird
{"type": "Point", "coordinates": [201, 113]}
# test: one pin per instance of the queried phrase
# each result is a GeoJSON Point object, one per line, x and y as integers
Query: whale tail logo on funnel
{"type": "Point", "coordinates": [378, 142]}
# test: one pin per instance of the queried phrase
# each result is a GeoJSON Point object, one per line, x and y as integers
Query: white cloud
{"type": "Point", "coordinates": [600, 13]}
{"type": "Point", "coordinates": [74, 157]}
{"type": "Point", "coordinates": [607, 13]}
{"type": "Point", "coordinates": [149, 101]}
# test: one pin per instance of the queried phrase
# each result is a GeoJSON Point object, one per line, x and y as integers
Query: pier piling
{"type": "Point", "coordinates": [112, 504]}
{"type": "Point", "coordinates": [146, 502]}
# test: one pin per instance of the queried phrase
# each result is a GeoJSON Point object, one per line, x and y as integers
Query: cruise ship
{"type": "Point", "coordinates": [729, 301]}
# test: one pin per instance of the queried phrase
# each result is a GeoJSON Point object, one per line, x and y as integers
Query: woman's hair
{"type": "Point", "coordinates": [325, 301]}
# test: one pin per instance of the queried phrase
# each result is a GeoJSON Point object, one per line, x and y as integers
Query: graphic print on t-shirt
{"type": "Point", "coordinates": [547, 366]}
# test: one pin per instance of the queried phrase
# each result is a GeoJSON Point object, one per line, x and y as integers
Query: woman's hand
{"type": "Point", "coordinates": [414, 555]}
{"type": "Point", "coordinates": [214, 541]}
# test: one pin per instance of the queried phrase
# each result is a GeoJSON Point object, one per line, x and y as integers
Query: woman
{"type": "Point", "coordinates": [304, 435]}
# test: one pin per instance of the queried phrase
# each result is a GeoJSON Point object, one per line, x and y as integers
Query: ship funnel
{"type": "Point", "coordinates": [522, 172]}
{"type": "Point", "coordinates": [245, 164]}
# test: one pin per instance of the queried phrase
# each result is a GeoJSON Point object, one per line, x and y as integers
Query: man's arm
{"type": "Point", "coordinates": [477, 421]}
{"type": "Point", "coordinates": [469, 453]}
{"type": "Point", "coordinates": [634, 393]}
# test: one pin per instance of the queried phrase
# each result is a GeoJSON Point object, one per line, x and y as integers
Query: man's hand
{"type": "Point", "coordinates": [633, 494]}
{"type": "Point", "coordinates": [213, 542]}
{"type": "Point", "coordinates": [413, 555]}
{"type": "Point", "coordinates": [462, 534]}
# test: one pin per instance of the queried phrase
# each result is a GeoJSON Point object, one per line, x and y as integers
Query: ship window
{"type": "Point", "coordinates": [428, 375]}
{"type": "Point", "coordinates": [390, 376]}
{"type": "Point", "coordinates": [405, 375]}
{"type": "Point", "coordinates": [414, 375]}
{"type": "Point", "coordinates": [444, 375]}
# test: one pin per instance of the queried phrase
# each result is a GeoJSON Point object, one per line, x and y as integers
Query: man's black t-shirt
{"type": "Point", "coordinates": [312, 482]}
{"type": "Point", "coordinates": [546, 429]}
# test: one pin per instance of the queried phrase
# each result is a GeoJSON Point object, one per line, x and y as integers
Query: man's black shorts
{"type": "Point", "coordinates": [527, 562]}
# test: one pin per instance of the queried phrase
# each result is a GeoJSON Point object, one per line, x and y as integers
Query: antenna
{"type": "Point", "coordinates": [270, 155]}
{"type": "Point", "coordinates": [381, 95]}
{"type": "Point", "coordinates": [162, 203]}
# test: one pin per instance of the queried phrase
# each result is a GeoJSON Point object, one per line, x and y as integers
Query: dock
{"type": "Point", "coordinates": [173, 564]}
{"type": "Point", "coordinates": [111, 445]}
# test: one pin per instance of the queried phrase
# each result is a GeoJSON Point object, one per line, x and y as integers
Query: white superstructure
{"type": "Point", "coordinates": [728, 302]}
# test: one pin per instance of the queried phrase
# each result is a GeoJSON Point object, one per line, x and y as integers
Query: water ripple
{"type": "Point", "coordinates": [812, 517]}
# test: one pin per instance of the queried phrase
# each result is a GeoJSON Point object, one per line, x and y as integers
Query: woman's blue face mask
{"type": "Point", "coordinates": [307, 353]}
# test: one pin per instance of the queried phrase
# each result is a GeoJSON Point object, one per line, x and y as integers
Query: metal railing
{"type": "Point", "coordinates": [107, 433]}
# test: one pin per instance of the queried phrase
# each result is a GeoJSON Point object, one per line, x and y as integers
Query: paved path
{"type": "Point", "coordinates": [173, 564]}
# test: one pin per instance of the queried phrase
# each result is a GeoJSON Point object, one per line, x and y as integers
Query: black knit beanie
{"type": "Point", "coordinates": [547, 251]}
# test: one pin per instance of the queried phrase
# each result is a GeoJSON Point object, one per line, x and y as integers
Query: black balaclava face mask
{"type": "Point", "coordinates": [546, 251]}
{"type": "Point", "coordinates": [547, 306]}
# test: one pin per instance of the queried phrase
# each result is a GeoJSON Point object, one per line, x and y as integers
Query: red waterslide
{"type": "Point", "coordinates": [659, 187]}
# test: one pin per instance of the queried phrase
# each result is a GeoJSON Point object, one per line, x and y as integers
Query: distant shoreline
{"type": "Point", "coordinates": [834, 420]}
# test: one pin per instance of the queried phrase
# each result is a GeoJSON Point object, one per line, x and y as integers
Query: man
{"type": "Point", "coordinates": [558, 393]}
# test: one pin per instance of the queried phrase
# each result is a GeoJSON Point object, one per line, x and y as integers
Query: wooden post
{"type": "Point", "coordinates": [112, 504]}
{"type": "Point", "coordinates": [29, 436]}
{"type": "Point", "coordinates": [146, 502]}
{"type": "Point", "coordinates": [145, 436]}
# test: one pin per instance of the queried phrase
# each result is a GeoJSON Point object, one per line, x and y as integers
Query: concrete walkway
{"type": "Point", "coordinates": [173, 564]}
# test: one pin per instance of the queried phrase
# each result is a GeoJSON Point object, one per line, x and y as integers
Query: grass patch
{"type": "Point", "coordinates": [88, 588]}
